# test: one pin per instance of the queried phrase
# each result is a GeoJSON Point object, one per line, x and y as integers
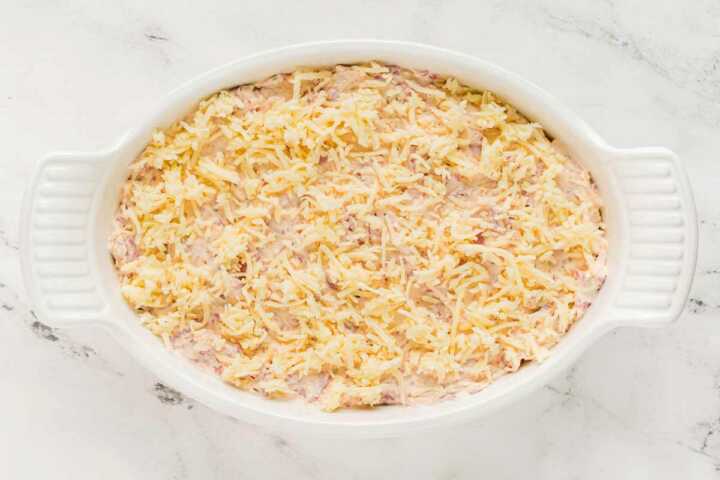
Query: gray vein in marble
{"type": "Point", "coordinates": [169, 396]}
{"type": "Point", "coordinates": [182, 472]}
{"type": "Point", "coordinates": [5, 241]}
{"type": "Point", "coordinates": [697, 305]}
{"type": "Point", "coordinates": [700, 75]}
{"type": "Point", "coordinates": [611, 36]}
{"type": "Point", "coordinates": [710, 440]}
{"type": "Point", "coordinates": [700, 451]}
{"type": "Point", "coordinates": [570, 395]}
{"type": "Point", "coordinates": [67, 345]}
{"type": "Point", "coordinates": [43, 331]}
{"type": "Point", "coordinates": [158, 41]}
{"type": "Point", "coordinates": [10, 303]}
{"type": "Point", "coordinates": [568, 392]}
{"type": "Point", "coordinates": [303, 461]}
{"type": "Point", "coordinates": [155, 37]}
{"type": "Point", "coordinates": [710, 430]}
{"type": "Point", "coordinates": [148, 38]}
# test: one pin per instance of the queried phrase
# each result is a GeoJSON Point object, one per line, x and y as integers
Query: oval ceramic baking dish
{"type": "Point", "coordinates": [649, 212]}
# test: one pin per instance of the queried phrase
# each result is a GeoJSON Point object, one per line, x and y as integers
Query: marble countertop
{"type": "Point", "coordinates": [75, 75]}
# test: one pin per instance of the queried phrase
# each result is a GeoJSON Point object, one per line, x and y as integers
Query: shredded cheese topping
{"type": "Point", "coordinates": [358, 235]}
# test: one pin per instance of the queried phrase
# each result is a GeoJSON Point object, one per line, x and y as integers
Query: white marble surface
{"type": "Point", "coordinates": [639, 404]}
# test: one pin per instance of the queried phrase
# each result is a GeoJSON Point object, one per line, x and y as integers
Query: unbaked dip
{"type": "Point", "coordinates": [357, 236]}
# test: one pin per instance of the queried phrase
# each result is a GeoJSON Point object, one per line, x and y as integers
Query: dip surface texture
{"type": "Point", "coordinates": [357, 236]}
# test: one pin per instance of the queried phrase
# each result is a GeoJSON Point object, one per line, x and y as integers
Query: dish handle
{"type": "Point", "coordinates": [660, 229]}
{"type": "Point", "coordinates": [57, 242]}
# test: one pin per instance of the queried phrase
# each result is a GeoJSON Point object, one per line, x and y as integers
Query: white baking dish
{"type": "Point", "coordinates": [649, 211]}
